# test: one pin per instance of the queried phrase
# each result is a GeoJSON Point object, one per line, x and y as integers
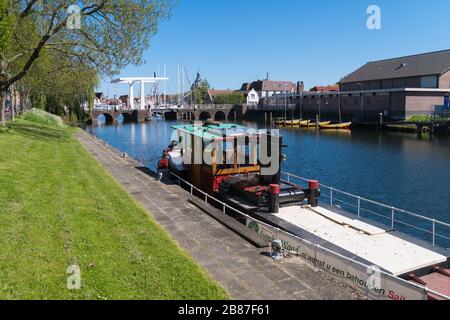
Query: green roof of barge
{"type": "Point", "coordinates": [213, 131]}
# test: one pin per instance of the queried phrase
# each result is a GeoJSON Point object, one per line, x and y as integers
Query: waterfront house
{"type": "Point", "coordinates": [271, 93]}
{"type": "Point", "coordinates": [100, 99]}
{"type": "Point", "coordinates": [268, 88]}
{"type": "Point", "coordinates": [125, 101]}
{"type": "Point", "coordinates": [252, 98]}
{"type": "Point", "coordinates": [394, 89]}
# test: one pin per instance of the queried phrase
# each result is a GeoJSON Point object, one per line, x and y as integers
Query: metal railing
{"type": "Point", "coordinates": [214, 106]}
{"type": "Point", "coordinates": [387, 215]}
{"type": "Point", "coordinates": [205, 196]}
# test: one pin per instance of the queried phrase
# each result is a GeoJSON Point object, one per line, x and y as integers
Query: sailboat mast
{"type": "Point", "coordinates": [182, 84]}
{"type": "Point", "coordinates": [179, 87]}
{"type": "Point", "coordinates": [164, 87]}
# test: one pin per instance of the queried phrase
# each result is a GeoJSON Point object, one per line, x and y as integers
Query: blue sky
{"type": "Point", "coordinates": [318, 42]}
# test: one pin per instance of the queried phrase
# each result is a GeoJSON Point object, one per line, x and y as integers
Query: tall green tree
{"type": "Point", "coordinates": [103, 35]}
{"type": "Point", "coordinates": [200, 93]}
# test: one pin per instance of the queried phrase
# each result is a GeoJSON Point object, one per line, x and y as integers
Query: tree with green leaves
{"type": "Point", "coordinates": [200, 92]}
{"type": "Point", "coordinates": [102, 35]}
{"type": "Point", "coordinates": [230, 98]}
{"type": "Point", "coordinates": [200, 95]}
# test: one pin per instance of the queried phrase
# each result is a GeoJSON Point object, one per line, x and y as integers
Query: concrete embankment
{"type": "Point", "coordinates": [245, 271]}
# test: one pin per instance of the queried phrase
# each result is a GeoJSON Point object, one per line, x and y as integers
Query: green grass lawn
{"type": "Point", "coordinates": [59, 207]}
{"type": "Point", "coordinates": [419, 118]}
{"type": "Point", "coordinates": [424, 118]}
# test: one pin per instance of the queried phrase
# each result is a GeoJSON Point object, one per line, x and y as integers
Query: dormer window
{"type": "Point", "coordinates": [402, 65]}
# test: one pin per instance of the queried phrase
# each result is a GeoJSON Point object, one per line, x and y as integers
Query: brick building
{"type": "Point", "coordinates": [396, 88]}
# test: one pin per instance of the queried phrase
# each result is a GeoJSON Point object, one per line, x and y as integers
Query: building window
{"type": "Point", "coordinates": [429, 82]}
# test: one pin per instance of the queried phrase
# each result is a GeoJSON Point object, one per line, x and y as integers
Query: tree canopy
{"type": "Point", "coordinates": [56, 44]}
{"type": "Point", "coordinates": [5, 25]}
{"type": "Point", "coordinates": [230, 98]}
{"type": "Point", "coordinates": [111, 33]}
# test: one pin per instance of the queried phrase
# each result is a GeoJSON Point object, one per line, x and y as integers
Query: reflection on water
{"type": "Point", "coordinates": [394, 168]}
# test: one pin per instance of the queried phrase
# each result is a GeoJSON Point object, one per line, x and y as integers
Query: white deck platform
{"type": "Point", "coordinates": [371, 243]}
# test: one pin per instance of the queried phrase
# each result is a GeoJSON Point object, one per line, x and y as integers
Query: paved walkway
{"type": "Point", "coordinates": [243, 270]}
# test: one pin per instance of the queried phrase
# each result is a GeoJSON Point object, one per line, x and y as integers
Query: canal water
{"type": "Point", "coordinates": [397, 169]}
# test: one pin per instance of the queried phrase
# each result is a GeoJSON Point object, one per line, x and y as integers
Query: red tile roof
{"type": "Point", "coordinates": [270, 85]}
{"type": "Point", "coordinates": [325, 88]}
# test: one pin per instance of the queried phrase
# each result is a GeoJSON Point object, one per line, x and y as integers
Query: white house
{"type": "Point", "coordinates": [99, 100]}
{"type": "Point", "coordinates": [252, 98]}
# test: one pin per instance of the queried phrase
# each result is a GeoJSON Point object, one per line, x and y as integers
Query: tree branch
{"type": "Point", "coordinates": [28, 9]}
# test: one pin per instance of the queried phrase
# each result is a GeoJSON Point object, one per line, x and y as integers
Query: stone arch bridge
{"type": "Point", "coordinates": [215, 112]}
{"type": "Point", "coordinates": [112, 116]}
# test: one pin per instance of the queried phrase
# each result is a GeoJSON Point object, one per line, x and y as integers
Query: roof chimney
{"type": "Point", "coordinates": [300, 87]}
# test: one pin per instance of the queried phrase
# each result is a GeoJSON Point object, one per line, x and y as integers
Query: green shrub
{"type": "Point", "coordinates": [230, 98]}
{"type": "Point", "coordinates": [419, 118]}
{"type": "Point", "coordinates": [43, 117]}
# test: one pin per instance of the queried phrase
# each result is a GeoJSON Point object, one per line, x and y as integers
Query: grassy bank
{"type": "Point", "coordinates": [424, 119]}
{"type": "Point", "coordinates": [59, 207]}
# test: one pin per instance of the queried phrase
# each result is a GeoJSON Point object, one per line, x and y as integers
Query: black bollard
{"type": "Point", "coordinates": [313, 198]}
{"type": "Point", "coordinates": [274, 200]}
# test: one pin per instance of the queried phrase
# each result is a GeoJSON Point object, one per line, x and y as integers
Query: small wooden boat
{"type": "Point", "coordinates": [336, 126]}
{"type": "Point", "coordinates": [287, 123]}
{"type": "Point", "coordinates": [304, 123]}
{"type": "Point", "coordinates": [313, 124]}
{"type": "Point", "coordinates": [292, 122]}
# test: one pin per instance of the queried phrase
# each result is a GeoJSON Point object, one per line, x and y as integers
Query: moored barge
{"type": "Point", "coordinates": [241, 168]}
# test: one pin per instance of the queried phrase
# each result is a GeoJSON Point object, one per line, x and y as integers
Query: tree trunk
{"type": "Point", "coordinates": [3, 108]}
{"type": "Point", "coordinates": [13, 103]}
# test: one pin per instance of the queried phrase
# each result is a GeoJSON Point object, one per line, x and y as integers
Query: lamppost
{"type": "Point", "coordinates": [362, 96]}
{"type": "Point", "coordinates": [285, 102]}
{"type": "Point", "coordinates": [339, 105]}
{"type": "Point", "coordinates": [320, 104]}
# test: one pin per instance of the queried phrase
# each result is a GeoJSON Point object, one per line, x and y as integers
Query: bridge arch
{"type": "Point", "coordinates": [128, 117]}
{"type": "Point", "coordinates": [220, 116]}
{"type": "Point", "coordinates": [232, 115]}
{"type": "Point", "coordinates": [205, 115]}
{"type": "Point", "coordinates": [108, 118]}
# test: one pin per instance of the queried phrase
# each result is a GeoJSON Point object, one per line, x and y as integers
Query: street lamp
{"type": "Point", "coordinates": [285, 103]}
{"type": "Point", "coordinates": [339, 105]}
{"type": "Point", "coordinates": [362, 96]}
{"type": "Point", "coordinates": [320, 105]}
